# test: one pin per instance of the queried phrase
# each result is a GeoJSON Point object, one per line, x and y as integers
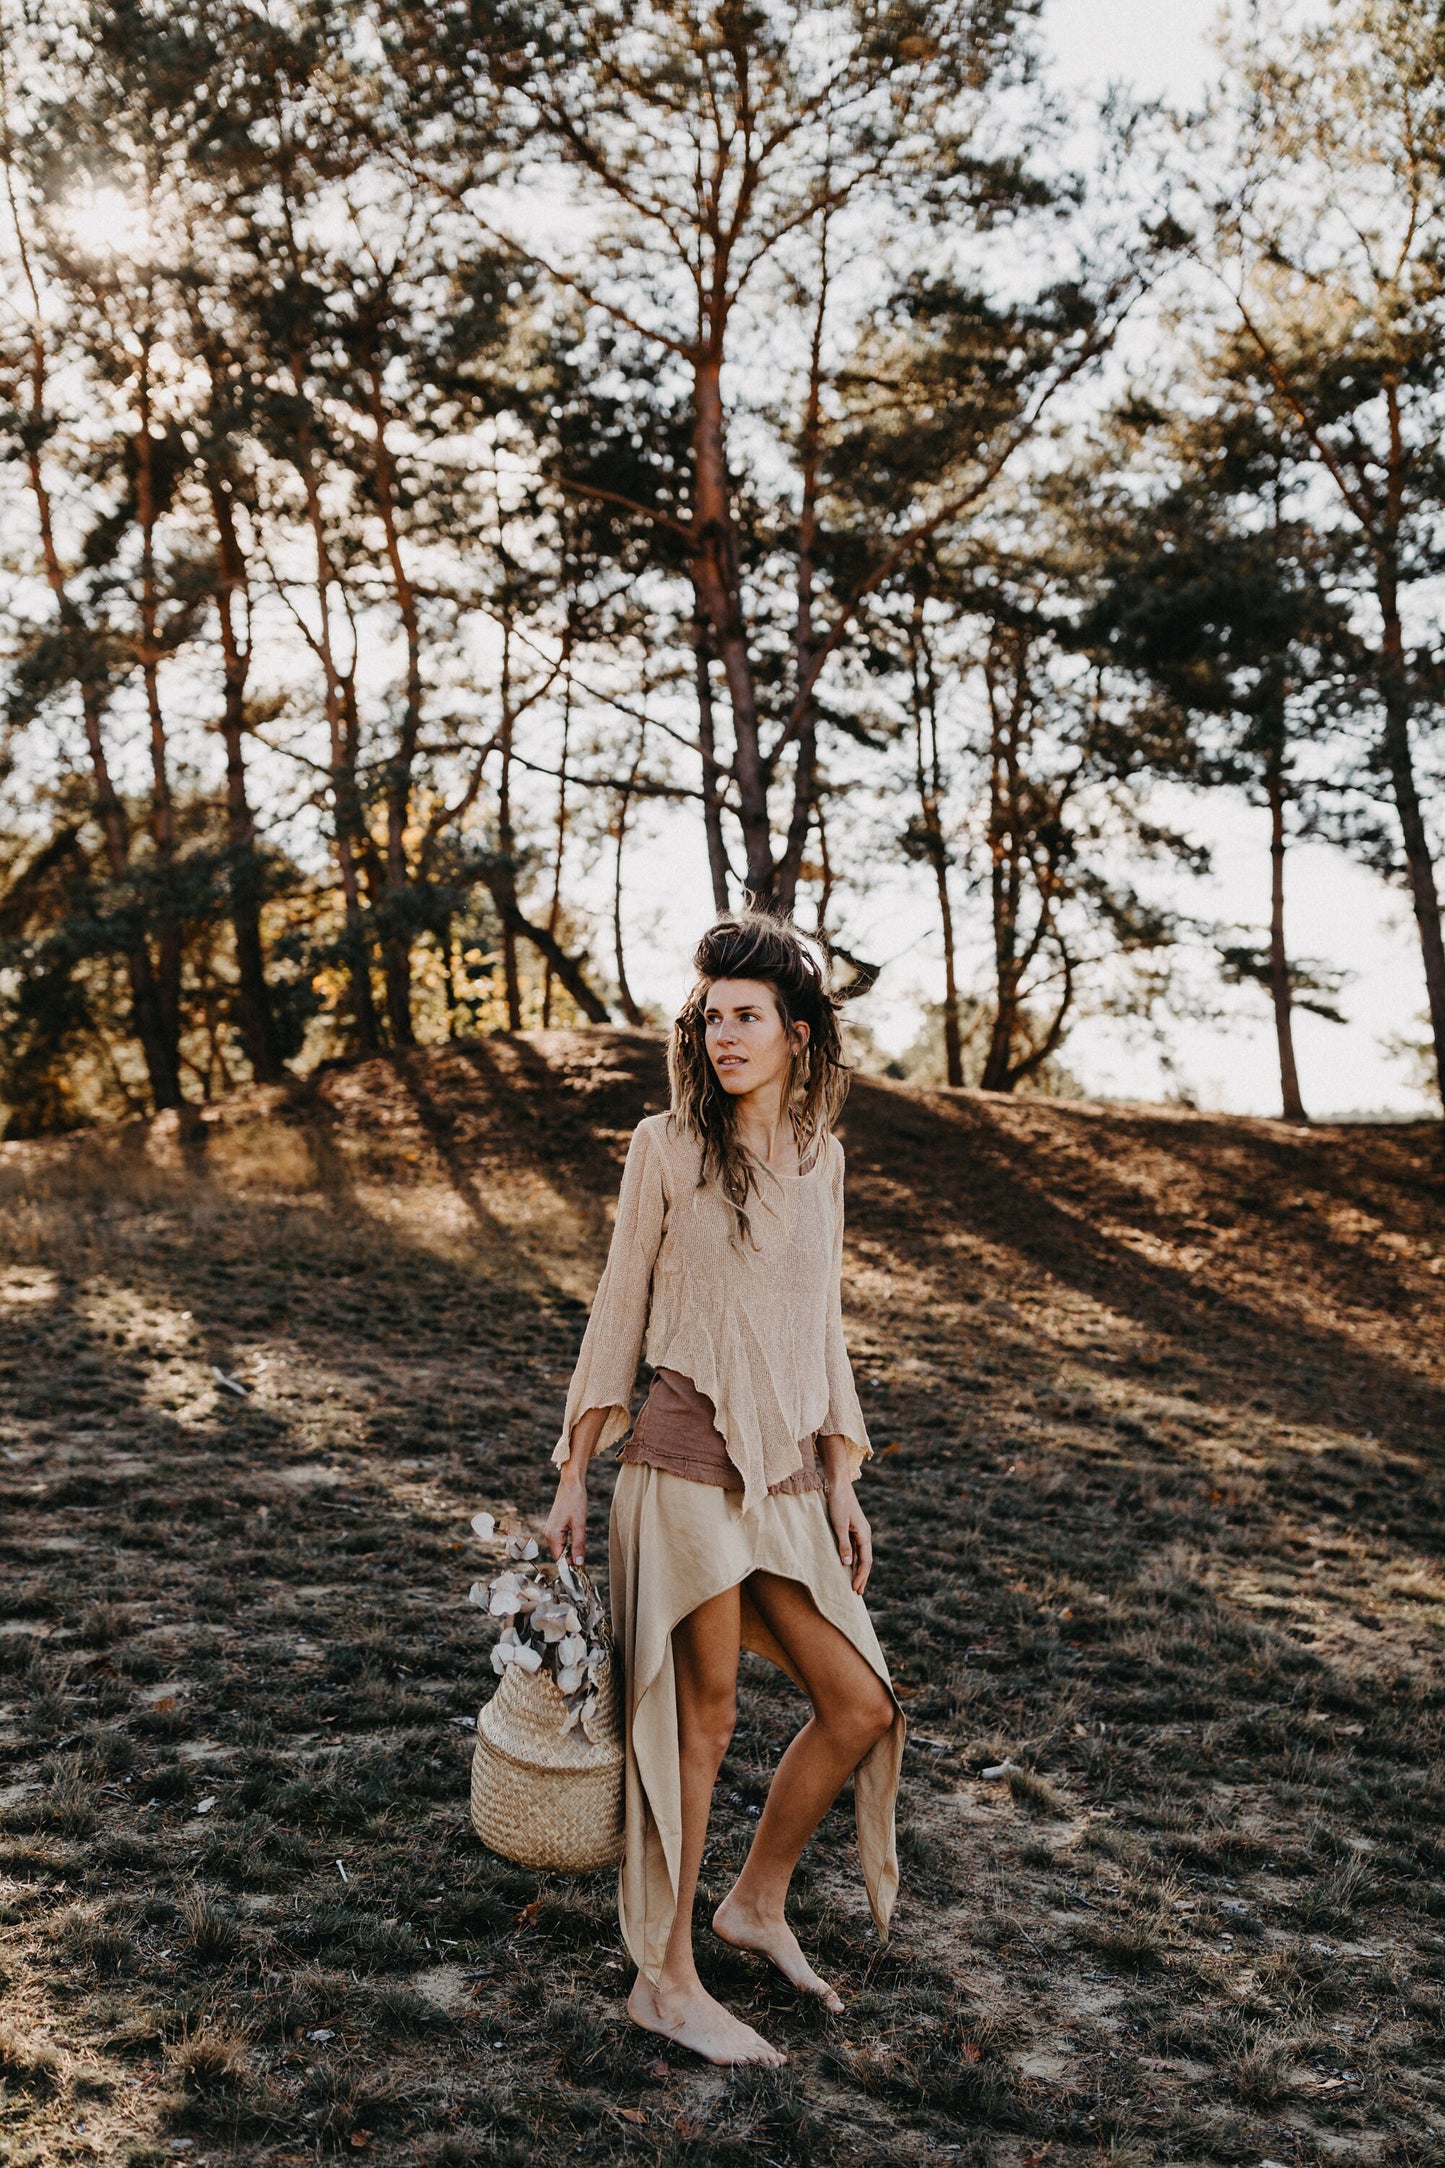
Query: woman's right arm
{"type": "Point", "coordinates": [567, 1521]}
{"type": "Point", "coordinates": [600, 1398]}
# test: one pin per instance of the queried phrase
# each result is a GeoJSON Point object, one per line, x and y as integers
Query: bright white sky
{"type": "Point", "coordinates": [1157, 47]}
{"type": "Point", "coordinates": [1336, 911]}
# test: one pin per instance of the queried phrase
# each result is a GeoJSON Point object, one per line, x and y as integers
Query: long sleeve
{"type": "Point", "coordinates": [612, 1346]}
{"type": "Point", "coordinates": [845, 1416]}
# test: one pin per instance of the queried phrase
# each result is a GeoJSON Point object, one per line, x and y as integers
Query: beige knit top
{"type": "Point", "coordinates": [757, 1328]}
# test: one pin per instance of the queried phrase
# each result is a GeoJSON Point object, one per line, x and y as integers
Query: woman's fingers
{"type": "Point", "coordinates": [566, 1531]}
{"type": "Point", "coordinates": [862, 1536]}
{"type": "Point", "coordinates": [855, 1544]}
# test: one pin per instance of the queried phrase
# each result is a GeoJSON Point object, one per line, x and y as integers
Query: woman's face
{"type": "Point", "coordinates": [748, 1043]}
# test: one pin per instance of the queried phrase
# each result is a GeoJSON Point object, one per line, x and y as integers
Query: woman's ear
{"type": "Point", "coordinates": [799, 1037]}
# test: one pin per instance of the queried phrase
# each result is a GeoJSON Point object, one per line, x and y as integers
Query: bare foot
{"type": "Point", "coordinates": [774, 1939]}
{"type": "Point", "coordinates": [691, 2018]}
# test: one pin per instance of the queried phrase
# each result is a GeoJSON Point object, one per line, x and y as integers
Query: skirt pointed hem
{"type": "Point", "coordinates": [675, 1545]}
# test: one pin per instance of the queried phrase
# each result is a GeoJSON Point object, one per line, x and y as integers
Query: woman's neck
{"type": "Point", "coordinates": [766, 1130]}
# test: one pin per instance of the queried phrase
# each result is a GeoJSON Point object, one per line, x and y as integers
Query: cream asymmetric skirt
{"type": "Point", "coordinates": [675, 1544]}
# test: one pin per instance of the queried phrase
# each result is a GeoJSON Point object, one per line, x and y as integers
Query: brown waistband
{"type": "Point", "coordinates": [677, 1432]}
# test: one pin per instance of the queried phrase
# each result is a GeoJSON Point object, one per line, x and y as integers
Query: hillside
{"type": "Point", "coordinates": [1159, 1404]}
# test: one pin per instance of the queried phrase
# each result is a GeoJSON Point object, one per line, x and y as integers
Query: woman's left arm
{"type": "Point", "coordinates": [843, 1440]}
{"type": "Point", "coordinates": [850, 1524]}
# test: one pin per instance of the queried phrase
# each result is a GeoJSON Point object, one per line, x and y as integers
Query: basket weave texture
{"type": "Point", "coordinates": [542, 1796]}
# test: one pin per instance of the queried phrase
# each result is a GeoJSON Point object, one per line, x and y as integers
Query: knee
{"type": "Point", "coordinates": [708, 1726]}
{"type": "Point", "coordinates": [860, 1721]}
{"type": "Point", "coordinates": [878, 1715]}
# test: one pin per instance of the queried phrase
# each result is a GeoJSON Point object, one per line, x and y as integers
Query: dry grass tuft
{"type": "Point", "coordinates": [211, 2062]}
{"type": "Point", "coordinates": [28, 2062]}
{"type": "Point", "coordinates": [212, 1930]}
{"type": "Point", "coordinates": [1035, 1794]}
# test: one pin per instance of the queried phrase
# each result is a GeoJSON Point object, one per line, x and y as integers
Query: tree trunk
{"type": "Point", "coordinates": [254, 1012]}
{"type": "Point", "coordinates": [719, 587]}
{"type": "Point", "coordinates": [783, 894]}
{"type": "Point", "coordinates": [952, 1036]}
{"type": "Point", "coordinates": [805, 766]}
{"type": "Point", "coordinates": [163, 1069]}
{"type": "Point", "coordinates": [825, 886]}
{"type": "Point", "coordinates": [163, 823]}
{"type": "Point", "coordinates": [1279, 979]}
{"type": "Point", "coordinates": [162, 1066]}
{"type": "Point", "coordinates": [396, 938]}
{"type": "Point", "coordinates": [1419, 866]}
{"type": "Point", "coordinates": [593, 1007]}
{"type": "Point", "coordinates": [1005, 872]}
{"type": "Point", "coordinates": [630, 1009]}
{"type": "Point", "coordinates": [507, 843]}
{"type": "Point", "coordinates": [712, 781]}
{"type": "Point", "coordinates": [446, 942]}
{"type": "Point", "coordinates": [345, 795]}
{"type": "Point", "coordinates": [554, 907]}
{"type": "Point", "coordinates": [929, 777]}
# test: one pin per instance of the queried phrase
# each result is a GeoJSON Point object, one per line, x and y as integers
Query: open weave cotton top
{"type": "Point", "coordinates": [757, 1327]}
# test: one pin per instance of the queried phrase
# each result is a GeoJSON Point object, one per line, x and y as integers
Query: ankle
{"type": "Point", "coordinates": [758, 1903]}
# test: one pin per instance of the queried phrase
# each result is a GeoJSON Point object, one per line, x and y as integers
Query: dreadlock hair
{"type": "Point", "coordinates": [755, 945]}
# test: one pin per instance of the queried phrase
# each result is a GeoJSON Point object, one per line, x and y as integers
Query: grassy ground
{"type": "Point", "coordinates": [1159, 1402]}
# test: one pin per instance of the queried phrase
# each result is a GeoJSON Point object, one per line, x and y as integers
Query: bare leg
{"type": "Point", "coordinates": [852, 1710]}
{"type": "Point", "coordinates": [705, 1668]}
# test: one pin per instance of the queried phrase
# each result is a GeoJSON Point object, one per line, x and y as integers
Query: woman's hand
{"type": "Point", "coordinates": [567, 1521]}
{"type": "Point", "coordinates": [855, 1537]}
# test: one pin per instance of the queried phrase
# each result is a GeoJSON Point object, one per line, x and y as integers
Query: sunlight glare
{"type": "Point", "coordinates": [107, 222]}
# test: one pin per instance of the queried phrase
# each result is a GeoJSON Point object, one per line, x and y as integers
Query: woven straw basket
{"type": "Point", "coordinates": [542, 1796]}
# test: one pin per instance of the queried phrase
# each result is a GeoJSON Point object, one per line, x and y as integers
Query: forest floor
{"type": "Point", "coordinates": [1159, 1403]}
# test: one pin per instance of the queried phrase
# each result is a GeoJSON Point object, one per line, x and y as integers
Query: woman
{"type": "Point", "coordinates": [734, 1521]}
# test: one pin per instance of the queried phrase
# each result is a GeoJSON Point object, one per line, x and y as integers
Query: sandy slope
{"type": "Point", "coordinates": [1158, 1401]}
